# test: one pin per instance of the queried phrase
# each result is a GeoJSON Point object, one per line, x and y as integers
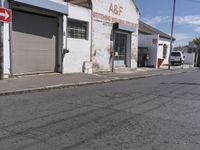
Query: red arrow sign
{"type": "Point", "coordinates": [5, 15]}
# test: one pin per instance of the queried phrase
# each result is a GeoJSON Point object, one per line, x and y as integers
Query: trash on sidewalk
{"type": "Point", "coordinates": [87, 67]}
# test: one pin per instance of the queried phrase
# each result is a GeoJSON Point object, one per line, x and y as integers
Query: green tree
{"type": "Point", "coordinates": [196, 41]}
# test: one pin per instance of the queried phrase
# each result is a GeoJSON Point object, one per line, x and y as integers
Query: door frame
{"type": "Point", "coordinates": [127, 61]}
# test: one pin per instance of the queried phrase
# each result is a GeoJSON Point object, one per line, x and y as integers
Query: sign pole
{"type": "Point", "coordinates": [5, 17]}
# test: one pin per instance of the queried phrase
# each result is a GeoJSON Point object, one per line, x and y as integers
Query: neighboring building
{"type": "Point", "coordinates": [34, 43]}
{"type": "Point", "coordinates": [156, 42]}
{"type": "Point", "coordinates": [112, 28]}
{"type": "Point", "coordinates": [115, 28]}
{"type": "Point", "coordinates": [79, 41]}
{"type": "Point", "coordinates": [188, 52]}
{"type": "Point", "coordinates": [60, 36]}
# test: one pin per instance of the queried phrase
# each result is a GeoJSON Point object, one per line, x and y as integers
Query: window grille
{"type": "Point", "coordinates": [77, 29]}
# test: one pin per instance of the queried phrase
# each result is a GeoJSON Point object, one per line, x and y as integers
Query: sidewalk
{"type": "Point", "coordinates": [25, 84]}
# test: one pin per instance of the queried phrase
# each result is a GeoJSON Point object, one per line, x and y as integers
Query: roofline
{"type": "Point", "coordinates": [165, 37]}
{"type": "Point", "coordinates": [136, 6]}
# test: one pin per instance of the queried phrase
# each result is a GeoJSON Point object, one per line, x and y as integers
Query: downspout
{"type": "Point", "coordinates": [157, 48]}
{"type": "Point", "coordinates": [112, 53]}
{"type": "Point", "coordinates": [65, 33]}
{"type": "Point", "coordinates": [91, 35]}
{"type": "Point", "coordinates": [11, 45]}
{"type": "Point", "coordinates": [1, 46]}
{"type": "Point", "coordinates": [65, 50]}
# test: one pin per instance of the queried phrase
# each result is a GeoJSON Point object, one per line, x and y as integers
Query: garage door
{"type": "Point", "coordinates": [34, 43]}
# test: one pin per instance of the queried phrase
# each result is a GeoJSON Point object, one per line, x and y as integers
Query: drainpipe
{"type": "Point", "coordinates": [113, 51]}
{"type": "Point", "coordinates": [65, 33]}
{"type": "Point", "coordinates": [91, 37]}
{"type": "Point", "coordinates": [1, 47]}
{"type": "Point", "coordinates": [11, 46]}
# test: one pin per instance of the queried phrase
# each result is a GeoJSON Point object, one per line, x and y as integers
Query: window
{"type": "Point", "coordinates": [77, 29]}
{"type": "Point", "coordinates": [175, 54]}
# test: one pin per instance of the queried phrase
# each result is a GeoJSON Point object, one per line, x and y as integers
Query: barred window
{"type": "Point", "coordinates": [77, 29]}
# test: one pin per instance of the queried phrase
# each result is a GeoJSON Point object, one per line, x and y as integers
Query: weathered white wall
{"type": "Point", "coordinates": [6, 41]}
{"type": "Point", "coordinates": [103, 19]}
{"type": "Point", "coordinates": [134, 49]}
{"type": "Point", "coordinates": [6, 45]}
{"type": "Point", "coordinates": [79, 48]}
{"type": "Point", "coordinates": [161, 42]}
{"type": "Point", "coordinates": [6, 49]}
{"type": "Point", "coordinates": [147, 41]}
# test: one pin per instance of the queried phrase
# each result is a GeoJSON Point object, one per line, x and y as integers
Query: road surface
{"type": "Point", "coordinates": [155, 113]}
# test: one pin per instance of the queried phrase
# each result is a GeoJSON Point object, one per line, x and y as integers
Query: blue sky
{"type": "Point", "coordinates": [158, 13]}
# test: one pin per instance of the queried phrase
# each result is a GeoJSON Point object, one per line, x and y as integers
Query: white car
{"type": "Point", "coordinates": [177, 57]}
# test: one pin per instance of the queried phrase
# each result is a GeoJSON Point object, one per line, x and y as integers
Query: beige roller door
{"type": "Point", "coordinates": [34, 43]}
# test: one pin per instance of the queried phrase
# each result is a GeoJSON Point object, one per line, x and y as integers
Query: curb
{"type": "Point", "coordinates": [62, 86]}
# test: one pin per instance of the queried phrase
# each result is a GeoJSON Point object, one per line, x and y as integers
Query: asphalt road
{"type": "Point", "coordinates": [155, 113]}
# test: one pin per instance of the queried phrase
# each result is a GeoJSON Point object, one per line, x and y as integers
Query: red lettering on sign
{"type": "Point", "coordinates": [115, 9]}
{"type": "Point", "coordinates": [120, 10]}
{"type": "Point", "coordinates": [110, 19]}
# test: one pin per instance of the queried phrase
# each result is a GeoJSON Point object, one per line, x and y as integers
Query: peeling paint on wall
{"type": "Point", "coordinates": [105, 13]}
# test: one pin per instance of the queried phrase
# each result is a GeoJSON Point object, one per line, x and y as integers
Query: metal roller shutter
{"type": "Point", "coordinates": [34, 43]}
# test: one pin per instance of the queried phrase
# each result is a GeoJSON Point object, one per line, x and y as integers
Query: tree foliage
{"type": "Point", "coordinates": [196, 41]}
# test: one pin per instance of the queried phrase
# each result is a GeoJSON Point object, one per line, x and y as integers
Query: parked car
{"type": "Point", "coordinates": [177, 57]}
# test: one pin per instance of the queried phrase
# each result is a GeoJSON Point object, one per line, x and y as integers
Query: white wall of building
{"type": "Point", "coordinates": [161, 42]}
{"type": "Point", "coordinates": [79, 48]}
{"type": "Point", "coordinates": [105, 13]}
{"type": "Point", "coordinates": [147, 41]}
{"type": "Point", "coordinates": [6, 50]}
{"type": "Point", "coordinates": [155, 49]}
{"type": "Point", "coordinates": [134, 49]}
{"type": "Point", "coordinates": [6, 42]}
{"type": "Point", "coordinates": [6, 46]}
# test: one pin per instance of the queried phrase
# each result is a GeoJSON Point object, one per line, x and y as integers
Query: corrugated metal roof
{"type": "Point", "coordinates": [147, 29]}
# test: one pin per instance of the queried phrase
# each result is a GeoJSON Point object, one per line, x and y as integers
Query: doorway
{"type": "Point", "coordinates": [35, 39]}
{"type": "Point", "coordinates": [122, 45]}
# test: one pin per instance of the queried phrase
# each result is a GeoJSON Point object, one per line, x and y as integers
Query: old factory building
{"type": "Point", "coordinates": [67, 36]}
{"type": "Point", "coordinates": [115, 29]}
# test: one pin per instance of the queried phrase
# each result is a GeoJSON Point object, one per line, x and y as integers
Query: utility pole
{"type": "Point", "coordinates": [1, 47]}
{"type": "Point", "coordinates": [172, 32]}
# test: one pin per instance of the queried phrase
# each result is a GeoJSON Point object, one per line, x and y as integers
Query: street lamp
{"type": "Point", "coordinates": [172, 31]}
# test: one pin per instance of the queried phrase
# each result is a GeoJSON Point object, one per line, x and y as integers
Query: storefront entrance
{"type": "Point", "coordinates": [122, 49]}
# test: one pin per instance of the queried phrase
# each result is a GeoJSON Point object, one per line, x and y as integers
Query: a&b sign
{"type": "Point", "coordinates": [5, 15]}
